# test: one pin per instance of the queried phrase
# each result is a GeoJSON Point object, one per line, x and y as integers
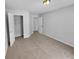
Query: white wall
{"type": "Point", "coordinates": [32, 18]}
{"type": "Point", "coordinates": [6, 33]}
{"type": "Point", "coordinates": [59, 24]}
{"type": "Point", "coordinates": [6, 41]}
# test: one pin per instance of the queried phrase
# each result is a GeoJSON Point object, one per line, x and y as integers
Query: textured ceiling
{"type": "Point", "coordinates": [36, 6]}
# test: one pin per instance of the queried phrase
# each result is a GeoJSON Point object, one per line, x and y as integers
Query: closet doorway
{"type": "Point", "coordinates": [18, 26]}
{"type": "Point", "coordinates": [15, 24]}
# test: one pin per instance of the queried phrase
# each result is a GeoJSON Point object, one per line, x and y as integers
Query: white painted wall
{"type": "Point", "coordinates": [31, 23]}
{"type": "Point", "coordinates": [26, 25]}
{"type": "Point", "coordinates": [6, 40]}
{"type": "Point", "coordinates": [6, 33]}
{"type": "Point", "coordinates": [59, 24]}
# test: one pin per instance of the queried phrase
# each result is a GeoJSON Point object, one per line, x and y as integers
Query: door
{"type": "Point", "coordinates": [40, 25]}
{"type": "Point", "coordinates": [35, 24]}
{"type": "Point", "coordinates": [11, 28]}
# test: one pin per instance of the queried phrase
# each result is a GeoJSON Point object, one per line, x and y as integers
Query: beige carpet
{"type": "Point", "coordinates": [39, 46]}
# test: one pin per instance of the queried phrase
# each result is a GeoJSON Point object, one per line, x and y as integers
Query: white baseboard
{"type": "Point", "coordinates": [17, 35]}
{"type": "Point", "coordinates": [65, 42]}
{"type": "Point", "coordinates": [27, 36]}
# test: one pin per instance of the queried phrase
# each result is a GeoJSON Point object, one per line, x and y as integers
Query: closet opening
{"type": "Point", "coordinates": [18, 26]}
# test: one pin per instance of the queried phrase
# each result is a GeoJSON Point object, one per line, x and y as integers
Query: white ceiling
{"type": "Point", "coordinates": [36, 6]}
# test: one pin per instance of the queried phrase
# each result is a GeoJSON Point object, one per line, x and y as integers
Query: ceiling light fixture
{"type": "Point", "coordinates": [46, 2]}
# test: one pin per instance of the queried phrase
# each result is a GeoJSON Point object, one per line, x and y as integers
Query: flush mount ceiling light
{"type": "Point", "coordinates": [46, 2]}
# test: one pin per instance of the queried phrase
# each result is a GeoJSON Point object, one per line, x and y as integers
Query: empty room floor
{"type": "Point", "coordinates": [39, 46]}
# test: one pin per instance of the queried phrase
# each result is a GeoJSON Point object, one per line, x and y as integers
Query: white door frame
{"type": "Point", "coordinates": [40, 27]}
{"type": "Point", "coordinates": [25, 24]}
{"type": "Point", "coordinates": [11, 28]}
